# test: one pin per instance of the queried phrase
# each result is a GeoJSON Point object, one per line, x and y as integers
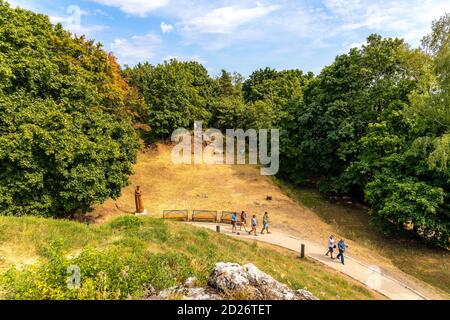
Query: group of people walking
{"type": "Point", "coordinates": [242, 222]}
{"type": "Point", "coordinates": [341, 246]}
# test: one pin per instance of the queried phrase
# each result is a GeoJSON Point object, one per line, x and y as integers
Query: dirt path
{"type": "Point", "coordinates": [368, 275]}
{"type": "Point", "coordinates": [167, 186]}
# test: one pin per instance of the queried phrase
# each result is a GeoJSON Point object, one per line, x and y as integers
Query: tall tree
{"type": "Point", "coordinates": [364, 86]}
{"type": "Point", "coordinates": [66, 140]}
{"type": "Point", "coordinates": [176, 93]}
{"type": "Point", "coordinates": [412, 189]}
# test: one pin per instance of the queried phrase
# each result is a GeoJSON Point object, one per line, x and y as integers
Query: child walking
{"type": "Point", "coordinates": [254, 224]}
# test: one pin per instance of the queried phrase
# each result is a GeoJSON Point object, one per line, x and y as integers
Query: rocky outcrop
{"type": "Point", "coordinates": [188, 291]}
{"type": "Point", "coordinates": [233, 281]}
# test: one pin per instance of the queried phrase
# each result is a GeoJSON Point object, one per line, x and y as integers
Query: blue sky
{"type": "Point", "coordinates": [240, 35]}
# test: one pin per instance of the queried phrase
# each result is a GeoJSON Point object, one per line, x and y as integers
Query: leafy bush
{"type": "Point", "coordinates": [104, 275]}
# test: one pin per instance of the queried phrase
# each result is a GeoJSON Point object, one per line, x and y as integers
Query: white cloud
{"type": "Point", "coordinates": [25, 4]}
{"type": "Point", "coordinates": [166, 27]}
{"type": "Point", "coordinates": [344, 8]}
{"type": "Point", "coordinates": [135, 7]}
{"type": "Point", "coordinates": [100, 12]}
{"type": "Point", "coordinates": [410, 19]}
{"type": "Point", "coordinates": [300, 21]}
{"type": "Point", "coordinates": [136, 49]}
{"type": "Point", "coordinates": [348, 46]}
{"type": "Point", "coordinates": [225, 20]}
{"type": "Point", "coordinates": [218, 25]}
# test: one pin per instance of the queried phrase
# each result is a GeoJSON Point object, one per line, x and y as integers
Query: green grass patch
{"type": "Point", "coordinates": [119, 260]}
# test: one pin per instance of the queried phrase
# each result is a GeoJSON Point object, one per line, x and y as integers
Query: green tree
{"type": "Point", "coordinates": [176, 93]}
{"type": "Point", "coordinates": [225, 86]}
{"type": "Point", "coordinates": [228, 106]}
{"type": "Point", "coordinates": [367, 85]}
{"type": "Point", "coordinates": [66, 140]}
{"type": "Point", "coordinates": [256, 86]}
{"type": "Point", "coordinates": [411, 189]}
{"type": "Point", "coordinates": [275, 101]}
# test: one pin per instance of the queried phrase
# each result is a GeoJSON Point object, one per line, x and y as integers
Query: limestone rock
{"type": "Point", "coordinates": [231, 280]}
{"type": "Point", "coordinates": [188, 291]}
{"type": "Point", "coordinates": [306, 295]}
{"type": "Point", "coordinates": [231, 277]}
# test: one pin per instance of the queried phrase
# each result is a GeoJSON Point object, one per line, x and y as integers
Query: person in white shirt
{"type": "Point", "coordinates": [331, 246]}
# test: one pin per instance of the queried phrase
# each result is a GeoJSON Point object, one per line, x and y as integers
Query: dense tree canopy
{"type": "Point", "coordinates": [365, 86]}
{"type": "Point", "coordinates": [66, 137]}
{"type": "Point", "coordinates": [177, 94]}
{"type": "Point", "coordinates": [373, 125]}
{"type": "Point", "coordinates": [411, 188]}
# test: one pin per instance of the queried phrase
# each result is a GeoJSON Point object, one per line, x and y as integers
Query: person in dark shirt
{"type": "Point", "coordinates": [341, 248]}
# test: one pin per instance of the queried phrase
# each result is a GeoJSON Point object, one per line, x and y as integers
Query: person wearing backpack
{"type": "Point", "coordinates": [265, 224]}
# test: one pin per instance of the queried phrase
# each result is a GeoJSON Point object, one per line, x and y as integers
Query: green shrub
{"type": "Point", "coordinates": [110, 274]}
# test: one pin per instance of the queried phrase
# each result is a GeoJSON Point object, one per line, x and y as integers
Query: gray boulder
{"type": "Point", "coordinates": [233, 281]}
{"type": "Point", "coordinates": [231, 277]}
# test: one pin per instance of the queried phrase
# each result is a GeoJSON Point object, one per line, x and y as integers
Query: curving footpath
{"type": "Point", "coordinates": [368, 275]}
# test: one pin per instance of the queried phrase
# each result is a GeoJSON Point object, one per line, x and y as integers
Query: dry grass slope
{"type": "Point", "coordinates": [299, 212]}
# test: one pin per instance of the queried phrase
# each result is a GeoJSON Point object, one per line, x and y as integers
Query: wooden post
{"type": "Point", "coordinates": [218, 229]}
{"type": "Point", "coordinates": [302, 251]}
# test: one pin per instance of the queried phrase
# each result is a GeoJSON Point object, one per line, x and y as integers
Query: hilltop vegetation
{"type": "Point", "coordinates": [374, 125]}
{"type": "Point", "coordinates": [120, 259]}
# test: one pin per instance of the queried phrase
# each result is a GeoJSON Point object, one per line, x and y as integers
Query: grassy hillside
{"type": "Point", "coordinates": [427, 263]}
{"type": "Point", "coordinates": [300, 212]}
{"type": "Point", "coordinates": [119, 258]}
